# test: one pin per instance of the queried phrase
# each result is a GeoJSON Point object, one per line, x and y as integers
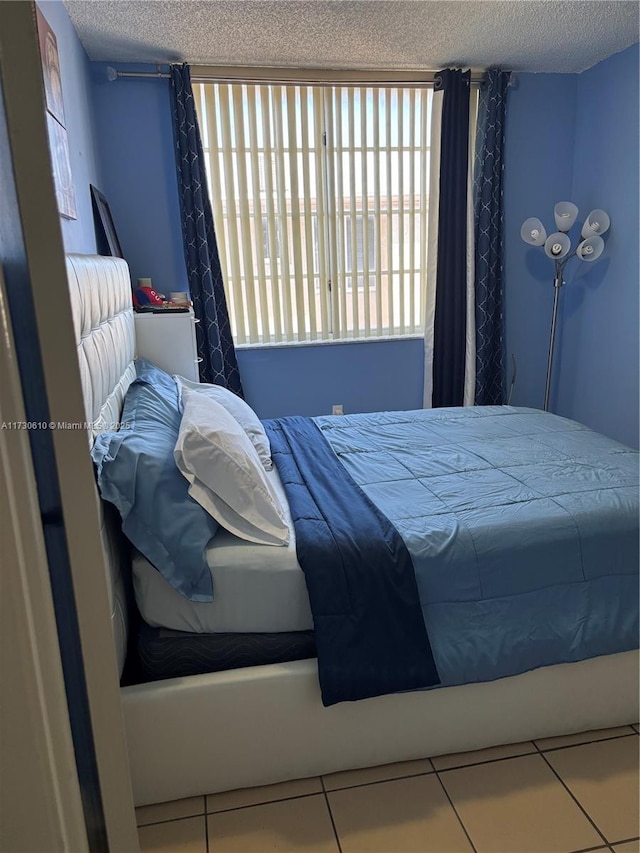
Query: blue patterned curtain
{"type": "Point", "coordinates": [488, 217]}
{"type": "Point", "coordinates": [450, 321]}
{"type": "Point", "coordinates": [215, 342]}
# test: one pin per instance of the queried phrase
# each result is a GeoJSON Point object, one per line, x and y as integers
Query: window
{"type": "Point", "coordinates": [267, 242]}
{"type": "Point", "coordinates": [360, 231]}
{"type": "Point", "coordinates": [320, 202]}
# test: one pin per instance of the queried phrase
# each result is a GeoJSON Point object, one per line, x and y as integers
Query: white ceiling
{"type": "Point", "coordinates": [521, 35]}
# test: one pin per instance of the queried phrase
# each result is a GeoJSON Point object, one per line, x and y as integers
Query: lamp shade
{"type": "Point", "coordinates": [565, 213]}
{"type": "Point", "coordinates": [532, 232]}
{"type": "Point", "coordinates": [557, 245]}
{"type": "Point", "coordinates": [597, 222]}
{"type": "Point", "coordinates": [590, 249]}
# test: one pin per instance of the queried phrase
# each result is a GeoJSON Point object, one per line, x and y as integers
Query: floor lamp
{"type": "Point", "coordinates": [557, 246]}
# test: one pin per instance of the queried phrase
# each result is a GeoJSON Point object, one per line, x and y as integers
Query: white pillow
{"type": "Point", "coordinates": [240, 410]}
{"type": "Point", "coordinates": [226, 478]}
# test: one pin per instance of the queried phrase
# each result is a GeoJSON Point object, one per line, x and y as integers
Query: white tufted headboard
{"type": "Point", "coordinates": [100, 290]}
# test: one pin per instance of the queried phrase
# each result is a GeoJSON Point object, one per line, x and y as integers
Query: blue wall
{"type": "Point", "coordinates": [135, 141]}
{"type": "Point", "coordinates": [539, 144]}
{"type": "Point", "coordinates": [575, 137]}
{"type": "Point", "coordinates": [598, 364]}
{"type": "Point", "coordinates": [309, 380]}
{"type": "Point", "coordinates": [78, 234]}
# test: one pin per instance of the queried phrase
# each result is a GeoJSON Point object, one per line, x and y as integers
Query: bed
{"type": "Point", "coordinates": [262, 724]}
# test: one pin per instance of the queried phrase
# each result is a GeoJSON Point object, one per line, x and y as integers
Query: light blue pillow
{"type": "Point", "coordinates": [137, 472]}
{"type": "Point", "coordinates": [160, 379]}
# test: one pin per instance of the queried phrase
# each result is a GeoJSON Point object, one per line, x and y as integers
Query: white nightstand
{"type": "Point", "coordinates": [169, 341]}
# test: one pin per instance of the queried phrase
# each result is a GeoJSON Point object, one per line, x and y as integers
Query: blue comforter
{"type": "Point", "coordinates": [522, 528]}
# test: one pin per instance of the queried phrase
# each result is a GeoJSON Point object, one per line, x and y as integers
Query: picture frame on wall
{"type": "Point", "coordinates": [106, 234]}
{"type": "Point", "coordinates": [56, 127]}
{"type": "Point", "coordinates": [50, 69]}
{"type": "Point", "coordinates": [59, 147]}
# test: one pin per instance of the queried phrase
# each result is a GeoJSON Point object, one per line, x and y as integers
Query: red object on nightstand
{"type": "Point", "coordinates": [146, 296]}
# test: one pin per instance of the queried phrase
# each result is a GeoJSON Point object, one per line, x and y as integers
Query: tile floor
{"type": "Point", "coordinates": [556, 795]}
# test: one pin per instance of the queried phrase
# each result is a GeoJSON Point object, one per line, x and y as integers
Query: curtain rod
{"type": "Point", "coordinates": [297, 77]}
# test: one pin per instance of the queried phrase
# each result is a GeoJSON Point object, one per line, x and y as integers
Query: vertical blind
{"type": "Point", "coordinates": [320, 199]}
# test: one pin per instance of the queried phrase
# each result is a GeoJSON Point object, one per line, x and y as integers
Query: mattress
{"type": "Point", "coordinates": [257, 588]}
{"type": "Point", "coordinates": [507, 513]}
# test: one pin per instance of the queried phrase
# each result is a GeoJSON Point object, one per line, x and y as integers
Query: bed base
{"type": "Point", "coordinates": [266, 724]}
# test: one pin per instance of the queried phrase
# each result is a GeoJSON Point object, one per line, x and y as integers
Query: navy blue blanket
{"type": "Point", "coordinates": [369, 628]}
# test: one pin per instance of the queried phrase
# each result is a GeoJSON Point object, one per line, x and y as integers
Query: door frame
{"type": "Point", "coordinates": [71, 467]}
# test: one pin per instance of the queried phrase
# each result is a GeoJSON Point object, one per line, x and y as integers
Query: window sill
{"type": "Point", "coordinates": [324, 343]}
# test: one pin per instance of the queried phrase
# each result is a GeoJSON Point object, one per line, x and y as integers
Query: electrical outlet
{"type": "Point", "coordinates": [338, 409]}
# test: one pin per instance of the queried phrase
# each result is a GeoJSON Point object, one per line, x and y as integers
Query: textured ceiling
{"type": "Point", "coordinates": [551, 35]}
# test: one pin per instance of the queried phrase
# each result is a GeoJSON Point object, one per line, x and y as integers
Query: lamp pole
{"type": "Point", "coordinates": [558, 281]}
